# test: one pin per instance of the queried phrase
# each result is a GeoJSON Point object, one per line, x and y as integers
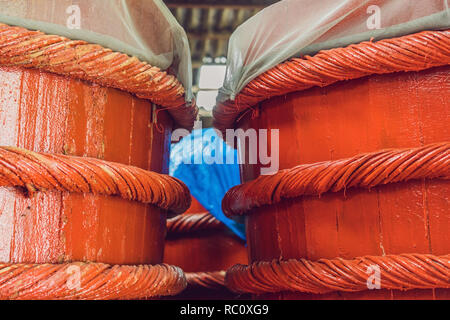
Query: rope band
{"type": "Point", "coordinates": [398, 272]}
{"type": "Point", "coordinates": [209, 280]}
{"type": "Point", "coordinates": [362, 171]}
{"type": "Point", "coordinates": [88, 281]}
{"type": "Point", "coordinates": [40, 171]}
{"type": "Point", "coordinates": [187, 223]}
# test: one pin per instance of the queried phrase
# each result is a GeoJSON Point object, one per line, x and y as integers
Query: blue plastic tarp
{"type": "Point", "coordinates": [200, 161]}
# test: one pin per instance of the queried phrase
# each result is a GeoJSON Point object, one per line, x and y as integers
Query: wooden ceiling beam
{"type": "Point", "coordinates": [209, 36]}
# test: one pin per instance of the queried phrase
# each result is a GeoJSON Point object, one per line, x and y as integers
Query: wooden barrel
{"type": "Point", "coordinates": [83, 186]}
{"type": "Point", "coordinates": [204, 248]}
{"type": "Point", "coordinates": [360, 206]}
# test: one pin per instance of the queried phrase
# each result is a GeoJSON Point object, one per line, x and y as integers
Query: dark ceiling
{"type": "Point", "coordinates": [209, 24]}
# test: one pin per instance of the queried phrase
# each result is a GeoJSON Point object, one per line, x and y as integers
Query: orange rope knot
{"type": "Point", "coordinates": [363, 171]}
{"type": "Point", "coordinates": [413, 52]}
{"type": "Point", "coordinates": [40, 171]}
{"type": "Point", "coordinates": [88, 281]}
{"type": "Point", "coordinates": [397, 272]}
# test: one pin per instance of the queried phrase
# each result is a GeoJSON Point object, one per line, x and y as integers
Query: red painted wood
{"type": "Point", "coordinates": [343, 120]}
{"type": "Point", "coordinates": [210, 250]}
{"type": "Point", "coordinates": [48, 113]}
{"type": "Point", "coordinates": [204, 251]}
{"type": "Point", "coordinates": [196, 207]}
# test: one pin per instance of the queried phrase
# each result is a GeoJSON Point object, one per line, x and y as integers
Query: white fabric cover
{"type": "Point", "coordinates": [145, 29]}
{"type": "Point", "coordinates": [294, 28]}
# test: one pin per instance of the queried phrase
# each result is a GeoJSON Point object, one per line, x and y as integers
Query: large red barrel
{"type": "Point", "coordinates": [361, 201]}
{"type": "Point", "coordinates": [83, 187]}
{"type": "Point", "coordinates": [203, 247]}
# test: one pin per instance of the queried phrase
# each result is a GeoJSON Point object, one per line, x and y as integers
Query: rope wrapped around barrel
{"type": "Point", "coordinates": [186, 224]}
{"type": "Point", "coordinates": [412, 52]}
{"type": "Point", "coordinates": [189, 223]}
{"type": "Point", "coordinates": [34, 172]}
{"type": "Point", "coordinates": [362, 171]}
{"type": "Point", "coordinates": [88, 281]}
{"type": "Point", "coordinates": [396, 272]}
{"type": "Point", "coordinates": [214, 280]}
{"type": "Point", "coordinates": [78, 59]}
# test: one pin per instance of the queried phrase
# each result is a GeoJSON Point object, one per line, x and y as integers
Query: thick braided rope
{"type": "Point", "coordinates": [413, 52]}
{"type": "Point", "coordinates": [88, 281]}
{"type": "Point", "coordinates": [40, 171]}
{"type": "Point", "coordinates": [362, 171]}
{"type": "Point", "coordinates": [398, 272]}
{"type": "Point", "coordinates": [79, 59]}
{"type": "Point", "coordinates": [187, 223]}
{"type": "Point", "coordinates": [209, 280]}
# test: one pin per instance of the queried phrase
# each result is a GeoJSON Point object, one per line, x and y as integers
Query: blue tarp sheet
{"type": "Point", "coordinates": [200, 161]}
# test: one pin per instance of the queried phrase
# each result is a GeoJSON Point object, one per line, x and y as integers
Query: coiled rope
{"type": "Point", "coordinates": [209, 280]}
{"type": "Point", "coordinates": [362, 171]}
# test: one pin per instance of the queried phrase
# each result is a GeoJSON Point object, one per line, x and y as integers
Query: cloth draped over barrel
{"type": "Point", "coordinates": [144, 29]}
{"type": "Point", "coordinates": [293, 28]}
